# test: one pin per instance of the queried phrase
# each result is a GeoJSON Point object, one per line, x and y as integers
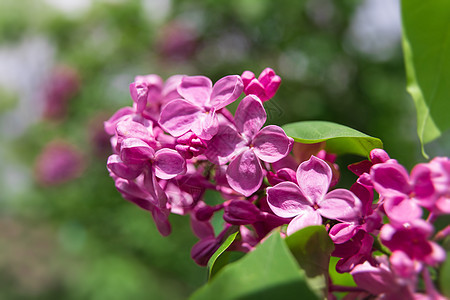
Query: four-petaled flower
{"type": "Point", "coordinates": [246, 143]}
{"type": "Point", "coordinates": [308, 201]}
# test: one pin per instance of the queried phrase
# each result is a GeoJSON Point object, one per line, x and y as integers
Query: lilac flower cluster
{"type": "Point", "coordinates": [178, 140]}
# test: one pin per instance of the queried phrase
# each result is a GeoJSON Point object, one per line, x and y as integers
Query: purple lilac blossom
{"type": "Point", "coordinates": [201, 102]}
{"type": "Point", "coordinates": [246, 144]}
{"type": "Point", "coordinates": [308, 201]}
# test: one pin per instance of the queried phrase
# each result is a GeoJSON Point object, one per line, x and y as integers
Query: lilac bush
{"type": "Point", "coordinates": [179, 141]}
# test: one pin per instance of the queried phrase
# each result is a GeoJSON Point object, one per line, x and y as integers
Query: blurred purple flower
{"type": "Point", "coordinates": [59, 162]}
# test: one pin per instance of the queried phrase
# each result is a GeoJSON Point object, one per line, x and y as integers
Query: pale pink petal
{"type": "Point", "coordinates": [272, 144]}
{"type": "Point", "coordinates": [250, 116]}
{"type": "Point", "coordinates": [307, 217]}
{"type": "Point", "coordinates": [196, 89]}
{"type": "Point", "coordinates": [390, 179]}
{"type": "Point", "coordinates": [244, 174]}
{"type": "Point", "coordinates": [286, 200]}
{"type": "Point", "coordinates": [313, 178]}
{"type": "Point", "coordinates": [168, 163]}
{"type": "Point", "coordinates": [340, 205]}
{"type": "Point", "coordinates": [206, 125]}
{"type": "Point", "coordinates": [376, 280]}
{"type": "Point", "coordinates": [169, 91]}
{"type": "Point", "coordinates": [177, 117]}
{"type": "Point", "coordinates": [225, 145]}
{"type": "Point", "coordinates": [226, 90]}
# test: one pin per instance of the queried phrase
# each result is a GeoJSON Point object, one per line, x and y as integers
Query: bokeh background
{"type": "Point", "coordinates": [65, 67]}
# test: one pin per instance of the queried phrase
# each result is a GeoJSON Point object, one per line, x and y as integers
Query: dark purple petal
{"type": "Point", "coordinates": [178, 116]}
{"type": "Point", "coordinates": [307, 217]}
{"type": "Point", "coordinates": [226, 91]}
{"type": "Point", "coordinates": [313, 178]}
{"type": "Point", "coordinates": [272, 144]}
{"type": "Point", "coordinates": [241, 212]}
{"type": "Point", "coordinates": [161, 218]}
{"type": "Point", "coordinates": [244, 174]}
{"type": "Point", "coordinates": [250, 116]}
{"type": "Point", "coordinates": [168, 163]}
{"type": "Point", "coordinates": [196, 89]}
{"type": "Point", "coordinates": [286, 200]}
{"type": "Point", "coordinates": [340, 205]}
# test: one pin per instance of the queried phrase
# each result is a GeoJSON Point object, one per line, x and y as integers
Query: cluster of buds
{"type": "Point", "coordinates": [178, 140]}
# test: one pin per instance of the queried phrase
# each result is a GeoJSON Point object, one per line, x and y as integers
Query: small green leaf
{"type": "Point", "coordinates": [444, 276]}
{"type": "Point", "coordinates": [312, 247]}
{"type": "Point", "coordinates": [213, 265]}
{"type": "Point", "coordinates": [268, 272]}
{"type": "Point", "coordinates": [426, 47]}
{"type": "Point", "coordinates": [339, 139]}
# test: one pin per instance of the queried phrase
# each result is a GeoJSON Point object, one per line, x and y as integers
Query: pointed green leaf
{"type": "Point", "coordinates": [426, 47]}
{"type": "Point", "coordinates": [312, 247]}
{"type": "Point", "coordinates": [339, 139]}
{"type": "Point", "coordinates": [214, 267]}
{"type": "Point", "coordinates": [268, 272]}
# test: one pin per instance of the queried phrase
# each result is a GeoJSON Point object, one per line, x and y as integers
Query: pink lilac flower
{"type": "Point", "coordinates": [63, 84]}
{"type": "Point", "coordinates": [412, 238]}
{"type": "Point", "coordinates": [246, 144]}
{"type": "Point", "coordinates": [264, 87]}
{"type": "Point", "coordinates": [308, 201]}
{"type": "Point", "coordinates": [402, 194]}
{"type": "Point", "coordinates": [201, 102]}
{"type": "Point", "coordinates": [59, 162]}
{"type": "Point", "coordinates": [149, 94]}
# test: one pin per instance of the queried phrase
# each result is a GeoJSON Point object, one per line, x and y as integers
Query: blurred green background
{"type": "Point", "coordinates": [65, 67]}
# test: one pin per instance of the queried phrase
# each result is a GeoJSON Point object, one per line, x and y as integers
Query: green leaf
{"type": "Point", "coordinates": [444, 276]}
{"type": "Point", "coordinates": [268, 272]}
{"type": "Point", "coordinates": [339, 139]}
{"type": "Point", "coordinates": [312, 247]}
{"type": "Point", "coordinates": [214, 266]}
{"type": "Point", "coordinates": [426, 47]}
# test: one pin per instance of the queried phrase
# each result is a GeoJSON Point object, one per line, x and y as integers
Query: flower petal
{"type": "Point", "coordinates": [119, 168]}
{"type": "Point", "coordinates": [195, 89]}
{"type": "Point", "coordinates": [272, 144]}
{"type": "Point", "coordinates": [307, 217]}
{"type": "Point", "coordinates": [168, 163]}
{"type": "Point", "coordinates": [250, 116]}
{"type": "Point", "coordinates": [225, 145]}
{"type": "Point", "coordinates": [286, 200]}
{"type": "Point", "coordinates": [390, 179]}
{"type": "Point", "coordinates": [135, 151]}
{"type": "Point", "coordinates": [226, 90]}
{"type": "Point", "coordinates": [206, 125]}
{"type": "Point", "coordinates": [244, 174]}
{"type": "Point", "coordinates": [402, 209]}
{"type": "Point", "coordinates": [314, 177]}
{"type": "Point", "coordinates": [178, 115]}
{"type": "Point", "coordinates": [340, 205]}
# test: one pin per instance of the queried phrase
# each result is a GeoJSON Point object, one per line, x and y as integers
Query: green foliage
{"type": "Point", "coordinates": [268, 272]}
{"type": "Point", "coordinates": [444, 276]}
{"type": "Point", "coordinates": [426, 28]}
{"type": "Point", "coordinates": [218, 261]}
{"type": "Point", "coordinates": [312, 247]}
{"type": "Point", "coordinates": [339, 139]}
